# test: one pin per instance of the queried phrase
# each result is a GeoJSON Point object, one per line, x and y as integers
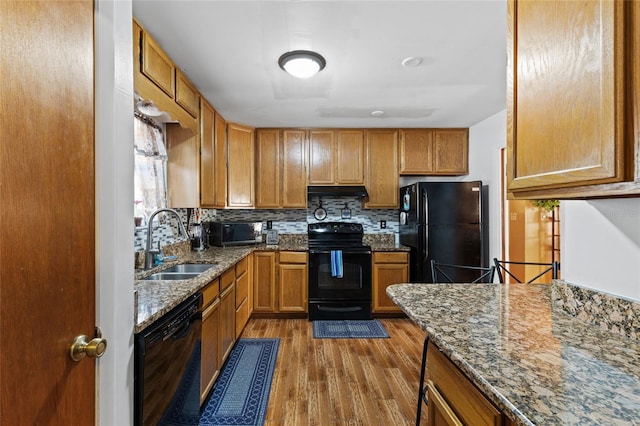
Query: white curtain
{"type": "Point", "coordinates": [150, 162]}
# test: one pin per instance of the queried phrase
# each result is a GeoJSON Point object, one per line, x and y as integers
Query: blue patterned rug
{"type": "Point", "coordinates": [241, 392]}
{"type": "Point", "coordinates": [349, 329]}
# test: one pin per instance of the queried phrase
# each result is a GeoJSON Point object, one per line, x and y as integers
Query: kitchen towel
{"type": "Point", "coordinates": [336, 263]}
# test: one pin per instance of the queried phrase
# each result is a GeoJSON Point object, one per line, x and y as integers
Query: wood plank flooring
{"type": "Point", "coordinates": [342, 381]}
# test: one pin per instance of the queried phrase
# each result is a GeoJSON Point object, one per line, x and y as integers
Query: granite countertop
{"type": "Point", "coordinates": [155, 298]}
{"type": "Point", "coordinates": [537, 363]}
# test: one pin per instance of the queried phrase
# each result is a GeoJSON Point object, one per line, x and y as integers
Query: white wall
{"type": "Point", "coordinates": [114, 204]}
{"type": "Point", "coordinates": [600, 245]}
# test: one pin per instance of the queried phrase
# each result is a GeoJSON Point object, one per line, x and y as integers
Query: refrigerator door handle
{"type": "Point", "coordinates": [425, 234]}
{"type": "Point", "coordinates": [425, 238]}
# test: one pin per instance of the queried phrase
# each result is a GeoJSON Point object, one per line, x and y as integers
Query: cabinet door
{"type": "Point", "coordinates": [388, 268]}
{"type": "Point", "coordinates": [240, 166]}
{"type": "Point", "coordinates": [294, 173]}
{"type": "Point", "coordinates": [565, 112]}
{"type": "Point", "coordinates": [268, 168]}
{"type": "Point", "coordinates": [157, 65]}
{"type": "Point", "coordinates": [350, 156]}
{"type": "Point", "coordinates": [264, 282]}
{"type": "Point", "coordinates": [227, 322]}
{"type": "Point", "coordinates": [210, 349]}
{"type": "Point", "coordinates": [451, 151]}
{"type": "Point", "coordinates": [416, 151]}
{"type": "Point", "coordinates": [220, 173]}
{"type": "Point", "coordinates": [183, 167]}
{"type": "Point", "coordinates": [207, 155]}
{"type": "Point", "coordinates": [292, 287]}
{"type": "Point", "coordinates": [439, 413]}
{"type": "Point", "coordinates": [321, 155]}
{"type": "Point", "coordinates": [186, 94]}
{"type": "Point", "coordinates": [382, 169]}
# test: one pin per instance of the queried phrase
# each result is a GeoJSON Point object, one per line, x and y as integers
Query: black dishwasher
{"type": "Point", "coordinates": [167, 368]}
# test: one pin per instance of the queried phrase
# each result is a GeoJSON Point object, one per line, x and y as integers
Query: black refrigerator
{"type": "Point", "coordinates": [445, 221]}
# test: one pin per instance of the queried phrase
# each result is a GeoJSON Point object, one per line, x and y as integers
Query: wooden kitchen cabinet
{"type": "Point", "coordinates": [264, 281]}
{"type": "Point", "coordinates": [336, 157]}
{"type": "Point", "coordinates": [388, 268]}
{"type": "Point", "coordinates": [322, 146]}
{"type": "Point", "coordinates": [292, 282]}
{"type": "Point", "coordinates": [156, 78]}
{"type": "Point", "coordinates": [280, 282]}
{"type": "Point", "coordinates": [453, 399]}
{"type": "Point", "coordinates": [382, 180]}
{"type": "Point", "coordinates": [434, 152]}
{"type": "Point", "coordinates": [268, 159]}
{"type": "Point", "coordinates": [242, 296]}
{"type": "Point", "coordinates": [281, 168]}
{"type": "Point", "coordinates": [240, 166]}
{"type": "Point", "coordinates": [572, 119]}
{"type": "Point", "coordinates": [210, 341]}
{"type": "Point", "coordinates": [213, 157]}
{"type": "Point", "coordinates": [350, 157]}
{"type": "Point", "coordinates": [183, 167]}
{"type": "Point", "coordinates": [227, 313]}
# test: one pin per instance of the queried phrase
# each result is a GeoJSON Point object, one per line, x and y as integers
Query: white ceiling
{"type": "Point", "coordinates": [230, 49]}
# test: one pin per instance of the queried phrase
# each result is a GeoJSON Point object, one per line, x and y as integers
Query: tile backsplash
{"type": "Point", "coordinates": [285, 221]}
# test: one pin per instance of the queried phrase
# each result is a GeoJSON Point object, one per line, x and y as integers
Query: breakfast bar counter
{"type": "Point", "coordinates": [534, 361]}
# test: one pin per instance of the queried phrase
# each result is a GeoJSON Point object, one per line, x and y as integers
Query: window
{"type": "Point", "coordinates": [150, 162]}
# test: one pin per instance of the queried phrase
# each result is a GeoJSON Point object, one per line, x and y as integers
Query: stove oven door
{"type": "Point", "coordinates": [348, 297]}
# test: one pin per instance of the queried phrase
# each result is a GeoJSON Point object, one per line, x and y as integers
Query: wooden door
{"type": "Point", "coordinates": [264, 281]}
{"type": "Point", "coordinates": [268, 168]}
{"type": "Point", "coordinates": [207, 155]}
{"type": "Point", "coordinates": [350, 157]}
{"type": "Point", "coordinates": [240, 166]}
{"type": "Point", "coordinates": [451, 151]}
{"type": "Point", "coordinates": [47, 194]}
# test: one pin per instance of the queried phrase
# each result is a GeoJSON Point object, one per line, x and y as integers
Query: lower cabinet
{"type": "Point", "coordinates": [280, 282]}
{"type": "Point", "coordinates": [388, 268]}
{"type": "Point", "coordinates": [227, 313]}
{"type": "Point", "coordinates": [453, 399]}
{"type": "Point", "coordinates": [210, 357]}
{"type": "Point", "coordinates": [242, 299]}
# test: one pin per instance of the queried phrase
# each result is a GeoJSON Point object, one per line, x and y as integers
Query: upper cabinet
{"type": "Point", "coordinates": [240, 166]}
{"type": "Point", "coordinates": [156, 78]}
{"type": "Point", "coordinates": [382, 168]}
{"type": "Point", "coordinates": [281, 168]}
{"type": "Point", "coordinates": [434, 152]}
{"type": "Point", "coordinates": [213, 157]}
{"type": "Point", "coordinates": [336, 157]}
{"type": "Point", "coordinates": [572, 99]}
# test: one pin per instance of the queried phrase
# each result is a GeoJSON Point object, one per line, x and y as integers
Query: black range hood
{"type": "Point", "coordinates": [337, 191]}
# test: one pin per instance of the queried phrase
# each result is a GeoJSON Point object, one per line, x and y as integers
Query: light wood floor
{"type": "Point", "coordinates": [342, 381]}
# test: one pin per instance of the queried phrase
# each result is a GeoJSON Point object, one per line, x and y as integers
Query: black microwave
{"type": "Point", "coordinates": [223, 234]}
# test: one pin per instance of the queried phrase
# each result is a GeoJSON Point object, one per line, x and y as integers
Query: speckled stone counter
{"type": "Point", "coordinates": [156, 298]}
{"type": "Point", "coordinates": [538, 364]}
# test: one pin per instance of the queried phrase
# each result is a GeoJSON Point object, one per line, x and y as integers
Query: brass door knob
{"type": "Point", "coordinates": [93, 348]}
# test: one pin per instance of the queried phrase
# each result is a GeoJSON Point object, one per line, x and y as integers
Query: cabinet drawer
{"type": "Point", "coordinates": [293, 257]}
{"type": "Point", "coordinates": [466, 401]}
{"type": "Point", "coordinates": [227, 279]}
{"type": "Point", "coordinates": [242, 266]}
{"type": "Point", "coordinates": [390, 257]}
{"type": "Point", "coordinates": [210, 292]}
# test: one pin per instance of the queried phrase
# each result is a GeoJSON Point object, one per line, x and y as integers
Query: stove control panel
{"type": "Point", "coordinates": [335, 228]}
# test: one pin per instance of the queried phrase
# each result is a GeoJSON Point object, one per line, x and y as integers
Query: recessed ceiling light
{"type": "Point", "coordinates": [411, 61]}
{"type": "Point", "coordinates": [377, 113]}
{"type": "Point", "coordinates": [302, 63]}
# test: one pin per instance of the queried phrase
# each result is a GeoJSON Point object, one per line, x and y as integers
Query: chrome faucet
{"type": "Point", "coordinates": [148, 258]}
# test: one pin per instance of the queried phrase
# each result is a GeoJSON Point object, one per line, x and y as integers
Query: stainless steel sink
{"type": "Point", "coordinates": [167, 276]}
{"type": "Point", "coordinates": [189, 267]}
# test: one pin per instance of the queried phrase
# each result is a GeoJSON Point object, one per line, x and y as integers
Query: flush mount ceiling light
{"type": "Point", "coordinates": [302, 63]}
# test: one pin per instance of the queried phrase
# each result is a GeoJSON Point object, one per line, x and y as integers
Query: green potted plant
{"type": "Point", "coordinates": [547, 205]}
